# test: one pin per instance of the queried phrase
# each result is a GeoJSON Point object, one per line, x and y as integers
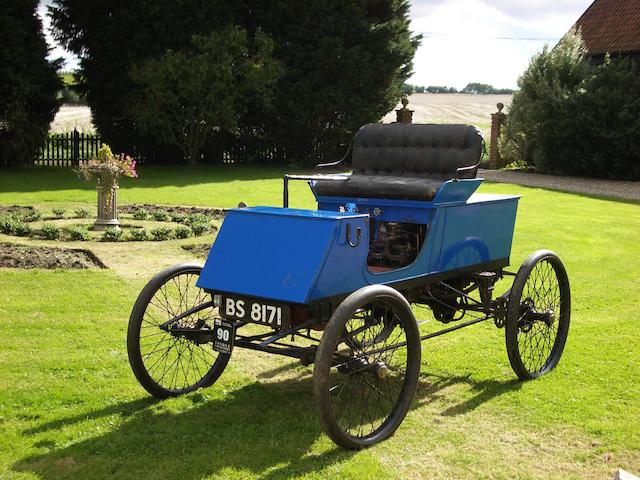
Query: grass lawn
{"type": "Point", "coordinates": [207, 186]}
{"type": "Point", "coordinates": [71, 408]}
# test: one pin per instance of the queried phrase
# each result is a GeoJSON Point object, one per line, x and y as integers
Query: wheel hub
{"type": "Point", "coordinates": [355, 365]}
{"type": "Point", "coordinates": [529, 316]}
{"type": "Point", "coordinates": [197, 332]}
{"type": "Point", "coordinates": [382, 370]}
{"type": "Point", "coordinates": [361, 365]}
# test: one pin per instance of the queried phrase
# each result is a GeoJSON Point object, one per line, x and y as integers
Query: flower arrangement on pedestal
{"type": "Point", "coordinates": [106, 168]}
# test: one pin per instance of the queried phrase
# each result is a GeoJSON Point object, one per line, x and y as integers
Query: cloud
{"type": "Point", "coordinates": [464, 41]}
{"type": "Point", "coordinates": [521, 9]}
{"type": "Point", "coordinates": [485, 41]}
{"type": "Point", "coordinates": [71, 62]}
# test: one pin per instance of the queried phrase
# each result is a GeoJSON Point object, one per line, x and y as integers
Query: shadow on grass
{"type": "Point", "coordinates": [266, 430]}
{"type": "Point", "coordinates": [58, 178]}
{"type": "Point", "coordinates": [125, 409]}
{"type": "Point", "coordinates": [432, 388]}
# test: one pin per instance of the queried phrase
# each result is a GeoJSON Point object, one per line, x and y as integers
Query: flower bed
{"type": "Point", "coordinates": [24, 256]}
{"type": "Point", "coordinates": [141, 223]}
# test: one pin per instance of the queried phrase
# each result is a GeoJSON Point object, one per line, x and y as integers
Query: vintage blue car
{"type": "Point", "coordinates": [334, 287]}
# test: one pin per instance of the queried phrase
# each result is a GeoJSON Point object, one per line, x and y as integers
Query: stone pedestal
{"type": "Point", "coordinates": [498, 119]}
{"type": "Point", "coordinates": [107, 209]}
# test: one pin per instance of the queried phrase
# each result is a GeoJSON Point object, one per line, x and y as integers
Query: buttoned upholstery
{"type": "Point", "coordinates": [407, 161]}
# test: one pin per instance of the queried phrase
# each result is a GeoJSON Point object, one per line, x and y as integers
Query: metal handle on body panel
{"type": "Point", "coordinates": [358, 236]}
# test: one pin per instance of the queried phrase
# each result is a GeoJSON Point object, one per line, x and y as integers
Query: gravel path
{"type": "Point", "coordinates": [605, 188]}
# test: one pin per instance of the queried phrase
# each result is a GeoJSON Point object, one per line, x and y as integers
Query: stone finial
{"type": "Point", "coordinates": [500, 107]}
{"type": "Point", "coordinates": [404, 115]}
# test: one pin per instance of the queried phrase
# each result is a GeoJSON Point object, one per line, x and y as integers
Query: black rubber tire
{"type": "Point", "coordinates": [325, 354]}
{"type": "Point", "coordinates": [134, 333]}
{"type": "Point", "coordinates": [528, 277]}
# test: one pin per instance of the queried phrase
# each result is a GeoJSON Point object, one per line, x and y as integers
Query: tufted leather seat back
{"type": "Point", "coordinates": [414, 150]}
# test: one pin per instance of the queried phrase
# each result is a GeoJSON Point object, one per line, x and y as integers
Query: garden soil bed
{"type": "Point", "coordinates": [198, 250]}
{"type": "Point", "coordinates": [16, 209]}
{"type": "Point", "coordinates": [24, 256]}
{"type": "Point", "coordinates": [211, 212]}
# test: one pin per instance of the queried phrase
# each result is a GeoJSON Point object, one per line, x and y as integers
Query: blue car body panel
{"type": "Point", "coordinates": [281, 253]}
{"type": "Point", "coordinates": [299, 256]}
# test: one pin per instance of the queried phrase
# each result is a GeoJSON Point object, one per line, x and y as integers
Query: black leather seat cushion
{"type": "Point", "coordinates": [380, 186]}
{"type": "Point", "coordinates": [408, 161]}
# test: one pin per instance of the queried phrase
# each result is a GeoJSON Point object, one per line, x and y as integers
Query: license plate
{"type": "Point", "coordinates": [224, 333]}
{"type": "Point", "coordinates": [256, 311]}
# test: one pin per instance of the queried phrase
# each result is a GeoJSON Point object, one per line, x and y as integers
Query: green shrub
{"type": "Point", "coordinates": [597, 129]}
{"type": "Point", "coordinates": [68, 95]}
{"type": "Point", "coordinates": [572, 118]}
{"type": "Point", "coordinates": [200, 228]}
{"type": "Point", "coordinates": [161, 233]}
{"type": "Point", "coordinates": [58, 212]}
{"type": "Point", "coordinates": [193, 218]}
{"type": "Point", "coordinates": [112, 235]}
{"type": "Point", "coordinates": [178, 218]}
{"type": "Point", "coordinates": [137, 235]}
{"type": "Point", "coordinates": [22, 229]}
{"type": "Point", "coordinates": [51, 232]}
{"type": "Point", "coordinates": [161, 216]}
{"type": "Point", "coordinates": [31, 215]}
{"type": "Point", "coordinates": [82, 212]}
{"type": "Point", "coordinates": [182, 231]}
{"type": "Point", "coordinates": [141, 214]}
{"type": "Point", "coordinates": [8, 224]}
{"type": "Point", "coordinates": [79, 233]}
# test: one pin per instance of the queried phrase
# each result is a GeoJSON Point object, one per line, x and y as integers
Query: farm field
{"type": "Point", "coordinates": [429, 108]}
{"type": "Point", "coordinates": [70, 407]}
{"type": "Point", "coordinates": [70, 117]}
{"type": "Point", "coordinates": [454, 108]}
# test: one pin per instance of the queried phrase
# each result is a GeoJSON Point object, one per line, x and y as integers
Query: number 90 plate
{"type": "Point", "coordinates": [224, 334]}
{"type": "Point", "coordinates": [256, 311]}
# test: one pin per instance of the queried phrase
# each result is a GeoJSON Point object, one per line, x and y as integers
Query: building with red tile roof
{"type": "Point", "coordinates": [611, 26]}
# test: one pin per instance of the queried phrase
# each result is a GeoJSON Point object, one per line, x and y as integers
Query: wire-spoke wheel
{"type": "Point", "coordinates": [538, 313]}
{"type": "Point", "coordinates": [367, 367]}
{"type": "Point", "coordinates": [170, 358]}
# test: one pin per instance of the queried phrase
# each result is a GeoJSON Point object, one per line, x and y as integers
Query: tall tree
{"type": "Point", "coordinates": [111, 37]}
{"type": "Point", "coordinates": [345, 63]}
{"type": "Point", "coordinates": [28, 83]}
{"type": "Point", "coordinates": [553, 76]}
{"type": "Point", "coordinates": [188, 96]}
{"type": "Point", "coordinates": [574, 118]}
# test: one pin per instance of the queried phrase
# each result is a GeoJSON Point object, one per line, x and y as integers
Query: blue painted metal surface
{"type": "Point", "coordinates": [456, 191]}
{"type": "Point", "coordinates": [279, 253]}
{"type": "Point", "coordinates": [300, 256]}
{"type": "Point", "coordinates": [459, 236]}
{"type": "Point", "coordinates": [404, 211]}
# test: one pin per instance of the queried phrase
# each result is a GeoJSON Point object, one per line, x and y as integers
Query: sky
{"type": "Point", "coordinates": [486, 41]}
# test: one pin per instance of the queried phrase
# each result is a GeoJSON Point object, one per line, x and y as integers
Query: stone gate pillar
{"type": "Point", "coordinates": [497, 120]}
{"type": "Point", "coordinates": [404, 115]}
